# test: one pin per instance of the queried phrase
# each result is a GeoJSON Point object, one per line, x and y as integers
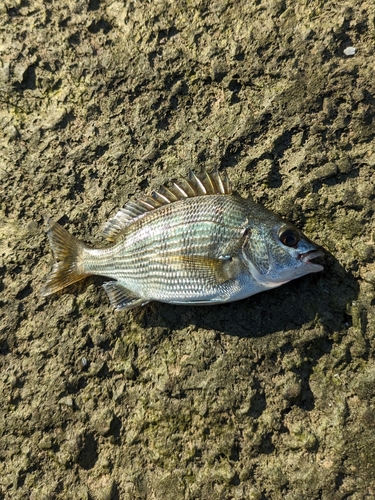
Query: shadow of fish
{"type": "Point", "coordinates": [192, 243]}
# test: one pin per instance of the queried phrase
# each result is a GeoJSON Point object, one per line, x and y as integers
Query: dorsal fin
{"type": "Point", "coordinates": [195, 185]}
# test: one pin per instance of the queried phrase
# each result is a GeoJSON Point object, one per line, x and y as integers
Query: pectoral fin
{"type": "Point", "coordinates": [211, 270]}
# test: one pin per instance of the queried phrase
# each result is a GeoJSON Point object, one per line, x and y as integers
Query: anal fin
{"type": "Point", "coordinates": [121, 298]}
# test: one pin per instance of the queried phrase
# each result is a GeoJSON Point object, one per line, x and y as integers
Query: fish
{"type": "Point", "coordinates": [195, 242]}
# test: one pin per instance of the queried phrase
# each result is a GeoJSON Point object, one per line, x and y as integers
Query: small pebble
{"type": "Point", "coordinates": [349, 51]}
{"type": "Point", "coordinates": [66, 401]}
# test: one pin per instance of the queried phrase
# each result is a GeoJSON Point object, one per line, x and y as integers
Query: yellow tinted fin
{"type": "Point", "coordinates": [212, 270]}
{"type": "Point", "coordinates": [67, 251]}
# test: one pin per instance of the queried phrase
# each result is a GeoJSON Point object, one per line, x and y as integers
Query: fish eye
{"type": "Point", "coordinates": [288, 236]}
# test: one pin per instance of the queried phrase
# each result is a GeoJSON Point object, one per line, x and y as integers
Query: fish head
{"type": "Point", "coordinates": [277, 252]}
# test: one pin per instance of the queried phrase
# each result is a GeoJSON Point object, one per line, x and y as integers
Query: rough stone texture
{"type": "Point", "coordinates": [269, 398]}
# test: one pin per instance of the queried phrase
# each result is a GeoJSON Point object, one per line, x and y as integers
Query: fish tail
{"type": "Point", "coordinates": [68, 253]}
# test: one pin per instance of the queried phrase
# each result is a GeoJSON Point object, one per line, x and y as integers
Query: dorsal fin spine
{"type": "Point", "coordinates": [146, 204]}
{"type": "Point", "coordinates": [181, 191]}
{"type": "Point", "coordinates": [207, 181]}
{"type": "Point", "coordinates": [160, 198]}
{"type": "Point", "coordinates": [197, 183]}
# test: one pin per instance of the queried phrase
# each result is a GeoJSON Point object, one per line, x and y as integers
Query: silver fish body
{"type": "Point", "coordinates": [195, 243]}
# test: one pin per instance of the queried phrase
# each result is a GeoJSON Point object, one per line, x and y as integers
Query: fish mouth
{"type": "Point", "coordinates": [313, 254]}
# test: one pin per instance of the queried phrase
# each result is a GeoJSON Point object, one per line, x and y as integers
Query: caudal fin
{"type": "Point", "coordinates": [68, 252]}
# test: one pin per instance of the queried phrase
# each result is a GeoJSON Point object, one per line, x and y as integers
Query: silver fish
{"type": "Point", "coordinates": [192, 243]}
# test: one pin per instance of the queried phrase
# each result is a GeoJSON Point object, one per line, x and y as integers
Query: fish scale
{"type": "Point", "coordinates": [195, 243]}
{"type": "Point", "coordinates": [143, 259]}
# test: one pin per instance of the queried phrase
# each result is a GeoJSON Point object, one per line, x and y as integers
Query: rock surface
{"type": "Point", "coordinates": [272, 397]}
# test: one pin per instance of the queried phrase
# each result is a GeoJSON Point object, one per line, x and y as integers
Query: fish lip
{"type": "Point", "coordinates": [312, 254]}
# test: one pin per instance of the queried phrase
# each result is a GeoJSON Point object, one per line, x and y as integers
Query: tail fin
{"type": "Point", "coordinates": [68, 254]}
